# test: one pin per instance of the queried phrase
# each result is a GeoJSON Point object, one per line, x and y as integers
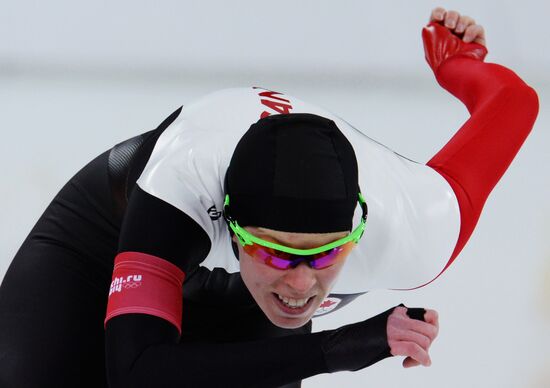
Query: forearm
{"type": "Point", "coordinates": [503, 109]}
{"type": "Point", "coordinates": [142, 351]}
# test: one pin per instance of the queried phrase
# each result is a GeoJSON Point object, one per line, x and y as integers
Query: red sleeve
{"type": "Point", "coordinates": [503, 110]}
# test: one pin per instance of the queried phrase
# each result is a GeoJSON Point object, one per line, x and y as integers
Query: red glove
{"type": "Point", "coordinates": [440, 44]}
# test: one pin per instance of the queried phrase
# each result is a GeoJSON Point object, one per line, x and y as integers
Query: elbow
{"type": "Point", "coordinates": [509, 86]}
{"type": "Point", "coordinates": [130, 343]}
{"type": "Point", "coordinates": [525, 96]}
{"type": "Point", "coordinates": [122, 359]}
{"type": "Point", "coordinates": [527, 105]}
{"type": "Point", "coordinates": [118, 378]}
{"type": "Point", "coordinates": [123, 379]}
{"type": "Point", "coordinates": [521, 104]}
{"type": "Point", "coordinates": [124, 371]}
{"type": "Point", "coordinates": [531, 102]}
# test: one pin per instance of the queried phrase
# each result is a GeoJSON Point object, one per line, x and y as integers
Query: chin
{"type": "Point", "coordinates": [285, 323]}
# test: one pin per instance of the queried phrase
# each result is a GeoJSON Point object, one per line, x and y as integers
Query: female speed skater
{"type": "Point", "coordinates": [197, 254]}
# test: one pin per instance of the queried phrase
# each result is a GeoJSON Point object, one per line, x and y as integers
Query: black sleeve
{"type": "Point", "coordinates": [157, 228]}
{"type": "Point", "coordinates": [144, 350]}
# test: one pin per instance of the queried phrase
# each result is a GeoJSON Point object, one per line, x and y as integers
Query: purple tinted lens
{"type": "Point", "coordinates": [277, 262]}
{"type": "Point", "coordinates": [283, 260]}
{"type": "Point", "coordinates": [326, 259]}
{"type": "Point", "coordinates": [269, 256]}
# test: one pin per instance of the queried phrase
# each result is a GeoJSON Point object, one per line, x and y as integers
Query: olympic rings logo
{"type": "Point", "coordinates": [131, 285]}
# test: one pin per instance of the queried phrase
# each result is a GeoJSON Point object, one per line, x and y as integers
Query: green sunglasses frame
{"type": "Point", "coordinates": [246, 238]}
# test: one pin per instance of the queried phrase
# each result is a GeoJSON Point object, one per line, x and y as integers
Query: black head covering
{"type": "Point", "coordinates": [295, 173]}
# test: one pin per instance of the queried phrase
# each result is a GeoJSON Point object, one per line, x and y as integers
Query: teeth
{"type": "Point", "coordinates": [293, 303]}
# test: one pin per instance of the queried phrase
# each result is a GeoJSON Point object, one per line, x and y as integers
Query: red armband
{"type": "Point", "coordinates": [146, 284]}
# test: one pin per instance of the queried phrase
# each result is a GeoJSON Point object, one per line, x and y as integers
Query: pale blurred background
{"type": "Point", "coordinates": [78, 77]}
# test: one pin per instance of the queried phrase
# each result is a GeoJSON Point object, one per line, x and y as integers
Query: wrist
{"type": "Point", "coordinates": [441, 46]}
{"type": "Point", "coordinates": [356, 346]}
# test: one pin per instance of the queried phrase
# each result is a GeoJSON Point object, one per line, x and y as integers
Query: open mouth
{"type": "Point", "coordinates": [291, 305]}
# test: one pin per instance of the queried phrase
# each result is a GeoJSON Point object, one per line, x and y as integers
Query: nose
{"type": "Point", "coordinates": [300, 279]}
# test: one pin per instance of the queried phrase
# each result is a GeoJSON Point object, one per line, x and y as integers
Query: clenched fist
{"type": "Point", "coordinates": [412, 337]}
{"type": "Point", "coordinates": [461, 25]}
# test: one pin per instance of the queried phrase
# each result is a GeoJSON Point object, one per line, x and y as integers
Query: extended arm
{"type": "Point", "coordinates": [143, 346]}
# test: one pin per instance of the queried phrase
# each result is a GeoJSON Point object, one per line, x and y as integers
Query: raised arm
{"type": "Point", "coordinates": [503, 110]}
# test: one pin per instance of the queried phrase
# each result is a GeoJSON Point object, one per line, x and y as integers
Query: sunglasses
{"type": "Point", "coordinates": [282, 257]}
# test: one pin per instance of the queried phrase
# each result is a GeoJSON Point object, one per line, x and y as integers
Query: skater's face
{"type": "Point", "coordinates": [289, 297]}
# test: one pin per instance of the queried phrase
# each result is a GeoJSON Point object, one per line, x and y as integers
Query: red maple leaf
{"type": "Point", "coordinates": [327, 303]}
